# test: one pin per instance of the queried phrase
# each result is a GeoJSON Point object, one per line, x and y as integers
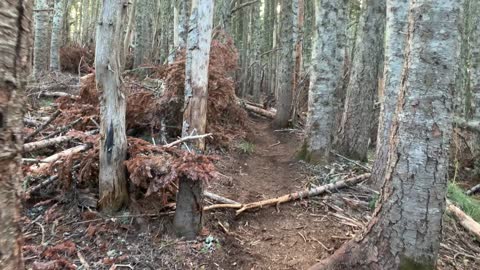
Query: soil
{"type": "Point", "coordinates": [294, 235]}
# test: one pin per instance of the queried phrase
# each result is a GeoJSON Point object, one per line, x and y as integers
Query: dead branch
{"type": "Point", "coordinates": [57, 156]}
{"type": "Point", "coordinates": [473, 190]}
{"type": "Point", "coordinates": [54, 91]}
{"type": "Point", "coordinates": [31, 122]}
{"type": "Point", "coordinates": [305, 193]}
{"type": "Point", "coordinates": [222, 206]}
{"type": "Point", "coordinates": [33, 146]}
{"type": "Point", "coordinates": [243, 5]}
{"type": "Point", "coordinates": [63, 129]}
{"type": "Point", "coordinates": [188, 138]}
{"type": "Point", "coordinates": [47, 182]}
{"type": "Point", "coordinates": [219, 198]}
{"type": "Point", "coordinates": [466, 221]}
{"type": "Point", "coordinates": [43, 126]}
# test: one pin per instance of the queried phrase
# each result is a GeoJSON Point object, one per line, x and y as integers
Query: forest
{"type": "Point", "coordinates": [240, 134]}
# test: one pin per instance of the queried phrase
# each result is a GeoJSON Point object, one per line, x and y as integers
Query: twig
{"type": "Point", "coordinates": [352, 161]}
{"type": "Point", "coordinates": [63, 129]}
{"type": "Point", "coordinates": [47, 182]}
{"type": "Point", "coordinates": [85, 264]}
{"type": "Point", "coordinates": [188, 138]}
{"type": "Point", "coordinates": [43, 126]}
{"type": "Point", "coordinates": [219, 198]}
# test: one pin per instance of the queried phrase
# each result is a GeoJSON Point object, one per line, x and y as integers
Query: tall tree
{"type": "Point", "coordinates": [57, 27]}
{"type": "Point", "coordinates": [406, 228]}
{"type": "Point", "coordinates": [395, 43]}
{"type": "Point", "coordinates": [41, 52]}
{"type": "Point", "coordinates": [180, 24]}
{"type": "Point", "coordinates": [189, 211]}
{"type": "Point", "coordinates": [144, 29]}
{"type": "Point", "coordinates": [286, 65]}
{"type": "Point", "coordinates": [475, 75]}
{"type": "Point", "coordinates": [327, 69]}
{"type": "Point", "coordinates": [113, 141]}
{"type": "Point", "coordinates": [15, 41]}
{"type": "Point", "coordinates": [355, 128]}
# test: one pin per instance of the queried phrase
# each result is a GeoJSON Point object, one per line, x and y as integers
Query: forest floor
{"type": "Point", "coordinates": [295, 235]}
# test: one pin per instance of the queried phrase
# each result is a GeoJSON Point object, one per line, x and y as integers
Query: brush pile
{"type": "Point", "coordinates": [154, 113]}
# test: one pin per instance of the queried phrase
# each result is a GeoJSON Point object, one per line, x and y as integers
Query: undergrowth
{"type": "Point", "coordinates": [468, 204]}
{"type": "Point", "coordinates": [246, 147]}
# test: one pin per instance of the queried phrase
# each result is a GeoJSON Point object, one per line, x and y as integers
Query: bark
{"type": "Point", "coordinates": [127, 41]}
{"type": "Point", "coordinates": [327, 69]}
{"type": "Point", "coordinates": [41, 52]}
{"type": "Point", "coordinates": [189, 212]}
{"type": "Point", "coordinates": [406, 228]}
{"type": "Point", "coordinates": [15, 41]}
{"type": "Point", "coordinates": [113, 141]}
{"type": "Point", "coordinates": [475, 76]}
{"type": "Point", "coordinates": [56, 35]}
{"type": "Point", "coordinates": [395, 32]}
{"type": "Point", "coordinates": [362, 89]}
{"type": "Point", "coordinates": [286, 65]}
{"type": "Point", "coordinates": [144, 29]}
{"type": "Point", "coordinates": [299, 43]}
{"type": "Point", "coordinates": [180, 25]}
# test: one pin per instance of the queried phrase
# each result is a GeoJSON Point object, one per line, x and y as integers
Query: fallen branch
{"type": "Point", "coordinates": [188, 138]}
{"type": "Point", "coordinates": [473, 190]}
{"type": "Point", "coordinates": [43, 126]}
{"type": "Point", "coordinates": [63, 129]}
{"type": "Point", "coordinates": [219, 198]}
{"type": "Point", "coordinates": [305, 193]}
{"type": "Point", "coordinates": [31, 122]}
{"type": "Point", "coordinates": [33, 146]}
{"type": "Point", "coordinates": [57, 156]}
{"type": "Point", "coordinates": [466, 221]}
{"type": "Point", "coordinates": [47, 182]}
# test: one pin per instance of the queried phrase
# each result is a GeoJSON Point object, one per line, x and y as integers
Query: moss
{"type": "Point", "coordinates": [468, 204]}
{"type": "Point", "coordinates": [412, 264]}
{"type": "Point", "coordinates": [304, 154]}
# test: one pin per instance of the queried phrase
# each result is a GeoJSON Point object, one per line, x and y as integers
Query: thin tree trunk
{"type": "Point", "coordinates": [143, 29]}
{"type": "Point", "coordinates": [475, 75]}
{"type": "Point", "coordinates": [394, 52]}
{"type": "Point", "coordinates": [286, 65]}
{"type": "Point", "coordinates": [15, 41]}
{"type": "Point", "coordinates": [56, 36]}
{"type": "Point", "coordinates": [113, 141]}
{"type": "Point", "coordinates": [327, 69]}
{"type": "Point", "coordinates": [356, 124]}
{"type": "Point", "coordinates": [188, 215]}
{"type": "Point", "coordinates": [406, 228]}
{"type": "Point", "coordinates": [41, 53]}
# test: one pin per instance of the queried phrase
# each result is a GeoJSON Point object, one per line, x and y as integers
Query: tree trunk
{"type": "Point", "coordinates": [356, 124]}
{"type": "Point", "coordinates": [475, 76]}
{"type": "Point", "coordinates": [406, 228]}
{"type": "Point", "coordinates": [286, 65]}
{"type": "Point", "coordinates": [188, 216]}
{"type": "Point", "coordinates": [113, 141]}
{"type": "Point", "coordinates": [127, 41]}
{"type": "Point", "coordinates": [41, 51]}
{"type": "Point", "coordinates": [181, 25]}
{"type": "Point", "coordinates": [15, 41]}
{"type": "Point", "coordinates": [143, 29]}
{"type": "Point", "coordinates": [396, 29]}
{"type": "Point", "coordinates": [299, 43]}
{"type": "Point", "coordinates": [56, 36]}
{"type": "Point", "coordinates": [327, 70]}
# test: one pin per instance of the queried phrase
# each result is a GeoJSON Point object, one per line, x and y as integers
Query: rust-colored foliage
{"type": "Point", "coordinates": [70, 57]}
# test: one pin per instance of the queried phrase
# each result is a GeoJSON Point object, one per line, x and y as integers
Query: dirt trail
{"type": "Point", "coordinates": [292, 236]}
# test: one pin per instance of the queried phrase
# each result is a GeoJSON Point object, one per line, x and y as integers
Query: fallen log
{"type": "Point", "coordinates": [31, 122]}
{"type": "Point", "coordinates": [34, 146]}
{"type": "Point", "coordinates": [466, 221]}
{"type": "Point", "coordinates": [473, 190]}
{"type": "Point", "coordinates": [305, 193]}
{"type": "Point", "coordinates": [259, 111]}
{"type": "Point", "coordinates": [65, 153]}
{"type": "Point", "coordinates": [53, 90]}
{"type": "Point", "coordinates": [188, 138]}
{"type": "Point", "coordinates": [43, 126]}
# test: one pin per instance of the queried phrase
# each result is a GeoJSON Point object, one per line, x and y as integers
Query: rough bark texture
{"type": "Point", "coordinates": [327, 69]}
{"type": "Point", "coordinates": [144, 29]}
{"type": "Point", "coordinates": [358, 113]}
{"type": "Point", "coordinates": [286, 65]}
{"type": "Point", "coordinates": [180, 24]}
{"type": "Point", "coordinates": [189, 210]}
{"type": "Point", "coordinates": [395, 42]}
{"type": "Point", "coordinates": [15, 44]}
{"type": "Point", "coordinates": [406, 228]}
{"type": "Point", "coordinates": [41, 52]}
{"type": "Point", "coordinates": [188, 217]}
{"type": "Point", "coordinates": [113, 141]}
{"type": "Point", "coordinates": [56, 35]}
{"type": "Point", "coordinates": [475, 75]}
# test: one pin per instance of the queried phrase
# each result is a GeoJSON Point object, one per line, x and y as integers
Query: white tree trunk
{"type": "Point", "coordinates": [189, 212]}
{"type": "Point", "coordinates": [326, 76]}
{"type": "Point", "coordinates": [395, 42]}
{"type": "Point", "coordinates": [180, 24]}
{"type": "Point", "coordinates": [56, 35]}
{"type": "Point", "coordinates": [113, 141]}
{"type": "Point", "coordinates": [41, 52]}
{"type": "Point", "coordinates": [15, 43]}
